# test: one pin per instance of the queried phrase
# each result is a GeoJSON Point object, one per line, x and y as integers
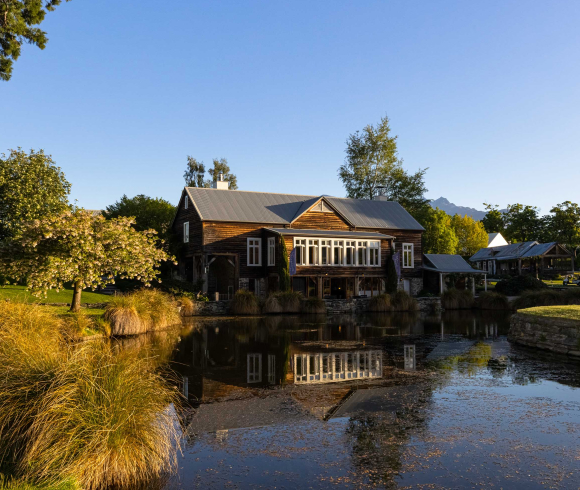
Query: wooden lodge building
{"type": "Point", "coordinates": [539, 259]}
{"type": "Point", "coordinates": [233, 239]}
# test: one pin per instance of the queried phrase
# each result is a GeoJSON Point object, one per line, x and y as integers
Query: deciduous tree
{"type": "Point", "coordinates": [221, 166]}
{"type": "Point", "coordinates": [372, 168]}
{"type": "Point", "coordinates": [83, 249]}
{"type": "Point", "coordinates": [18, 21]}
{"type": "Point", "coordinates": [471, 234]}
{"type": "Point", "coordinates": [31, 187]}
{"type": "Point", "coordinates": [493, 221]}
{"type": "Point", "coordinates": [522, 223]}
{"type": "Point", "coordinates": [439, 236]}
{"type": "Point", "coordinates": [195, 173]}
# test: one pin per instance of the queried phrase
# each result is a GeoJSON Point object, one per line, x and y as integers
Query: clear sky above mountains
{"type": "Point", "coordinates": [485, 94]}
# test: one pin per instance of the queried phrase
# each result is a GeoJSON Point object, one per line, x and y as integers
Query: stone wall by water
{"type": "Point", "coordinates": [553, 334]}
{"type": "Point", "coordinates": [210, 308]}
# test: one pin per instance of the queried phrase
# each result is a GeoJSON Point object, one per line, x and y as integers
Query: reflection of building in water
{"type": "Point", "coordinates": [331, 367]}
{"type": "Point", "coordinates": [410, 359]}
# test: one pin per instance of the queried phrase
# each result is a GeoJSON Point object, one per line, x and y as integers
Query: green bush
{"type": "Point", "coordinates": [457, 299]}
{"type": "Point", "coordinates": [79, 412]}
{"type": "Point", "coordinates": [572, 296]}
{"type": "Point", "coordinates": [493, 301]}
{"type": "Point", "coordinates": [546, 297]}
{"type": "Point", "coordinates": [314, 305]}
{"type": "Point", "coordinates": [380, 303]}
{"type": "Point", "coordinates": [142, 311]}
{"type": "Point", "coordinates": [512, 286]}
{"type": "Point", "coordinates": [402, 301]}
{"type": "Point", "coordinates": [244, 303]}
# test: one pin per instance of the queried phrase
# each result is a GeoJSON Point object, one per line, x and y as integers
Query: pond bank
{"type": "Point", "coordinates": [559, 335]}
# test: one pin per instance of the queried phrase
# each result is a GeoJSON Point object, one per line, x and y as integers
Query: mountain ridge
{"type": "Point", "coordinates": [451, 209]}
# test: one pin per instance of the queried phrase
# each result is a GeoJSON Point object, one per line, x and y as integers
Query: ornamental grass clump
{"type": "Point", "coordinates": [545, 297]}
{"type": "Point", "coordinates": [186, 304]}
{"type": "Point", "coordinates": [403, 301]}
{"type": "Point", "coordinates": [457, 299]}
{"type": "Point", "coordinates": [142, 311]}
{"type": "Point", "coordinates": [272, 305]}
{"type": "Point", "coordinates": [283, 302]}
{"type": "Point", "coordinates": [80, 412]}
{"type": "Point", "coordinates": [493, 301]}
{"type": "Point", "coordinates": [380, 303]}
{"type": "Point", "coordinates": [244, 303]}
{"type": "Point", "coordinates": [572, 296]}
{"type": "Point", "coordinates": [314, 306]}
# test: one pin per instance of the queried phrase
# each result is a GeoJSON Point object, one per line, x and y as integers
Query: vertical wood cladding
{"type": "Point", "coordinates": [320, 221]}
{"type": "Point", "coordinates": [195, 227]}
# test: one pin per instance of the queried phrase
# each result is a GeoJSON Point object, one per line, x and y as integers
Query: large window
{"type": "Point", "coordinates": [300, 247]}
{"type": "Point", "coordinates": [350, 248]}
{"type": "Point", "coordinates": [313, 251]}
{"type": "Point", "coordinates": [374, 253]}
{"type": "Point", "coordinates": [338, 252]}
{"type": "Point", "coordinates": [186, 232]}
{"type": "Point", "coordinates": [254, 251]}
{"type": "Point", "coordinates": [254, 368]}
{"type": "Point", "coordinates": [408, 257]}
{"type": "Point", "coordinates": [271, 251]}
{"type": "Point", "coordinates": [325, 248]}
{"type": "Point", "coordinates": [361, 252]}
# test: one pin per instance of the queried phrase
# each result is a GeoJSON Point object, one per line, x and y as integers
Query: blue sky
{"type": "Point", "coordinates": [485, 94]}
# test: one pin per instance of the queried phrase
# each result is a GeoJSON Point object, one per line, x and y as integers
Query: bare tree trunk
{"type": "Point", "coordinates": [76, 301]}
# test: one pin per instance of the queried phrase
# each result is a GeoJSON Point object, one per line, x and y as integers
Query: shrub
{"type": "Point", "coordinates": [381, 303]}
{"type": "Point", "coordinates": [572, 296]}
{"type": "Point", "coordinates": [547, 297]}
{"type": "Point", "coordinates": [493, 301]}
{"type": "Point", "coordinates": [244, 303]}
{"type": "Point", "coordinates": [314, 305]}
{"type": "Point", "coordinates": [79, 412]}
{"type": "Point", "coordinates": [512, 286]}
{"type": "Point", "coordinates": [457, 299]}
{"type": "Point", "coordinates": [283, 302]}
{"type": "Point", "coordinates": [186, 304]}
{"type": "Point", "coordinates": [402, 301]}
{"type": "Point", "coordinates": [272, 305]}
{"type": "Point", "coordinates": [140, 312]}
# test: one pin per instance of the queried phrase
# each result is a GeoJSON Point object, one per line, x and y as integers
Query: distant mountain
{"type": "Point", "coordinates": [452, 209]}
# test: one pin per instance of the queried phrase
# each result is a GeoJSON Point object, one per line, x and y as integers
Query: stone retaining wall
{"type": "Point", "coordinates": [553, 334]}
{"type": "Point", "coordinates": [210, 308]}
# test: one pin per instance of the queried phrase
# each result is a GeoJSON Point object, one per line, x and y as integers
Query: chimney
{"type": "Point", "coordinates": [220, 183]}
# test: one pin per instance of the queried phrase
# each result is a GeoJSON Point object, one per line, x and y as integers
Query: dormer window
{"type": "Point", "coordinates": [185, 202]}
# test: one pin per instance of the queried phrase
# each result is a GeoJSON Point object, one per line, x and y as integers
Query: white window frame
{"type": "Point", "coordinates": [406, 248]}
{"type": "Point", "coordinates": [185, 202]}
{"type": "Point", "coordinates": [325, 244]}
{"type": "Point", "coordinates": [338, 245]}
{"type": "Point", "coordinates": [313, 242]}
{"type": "Point", "coordinates": [375, 245]}
{"type": "Point", "coordinates": [271, 251]}
{"type": "Point", "coordinates": [252, 246]}
{"type": "Point", "coordinates": [350, 244]}
{"type": "Point", "coordinates": [303, 244]}
{"type": "Point", "coordinates": [362, 245]}
{"type": "Point", "coordinates": [254, 376]}
{"type": "Point", "coordinates": [186, 232]}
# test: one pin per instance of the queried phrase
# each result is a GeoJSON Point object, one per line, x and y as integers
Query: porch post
{"type": "Point", "coordinates": [441, 282]}
{"type": "Point", "coordinates": [519, 267]}
{"type": "Point", "coordinates": [473, 284]}
{"type": "Point", "coordinates": [485, 279]}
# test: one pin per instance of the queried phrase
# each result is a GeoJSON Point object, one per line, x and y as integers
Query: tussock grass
{"type": "Point", "coordinates": [283, 302]}
{"type": "Point", "coordinates": [545, 297]}
{"type": "Point", "coordinates": [186, 305]}
{"type": "Point", "coordinates": [572, 296]}
{"type": "Point", "coordinates": [403, 301]}
{"type": "Point", "coordinates": [457, 299]}
{"type": "Point", "coordinates": [314, 305]}
{"type": "Point", "coordinates": [79, 413]}
{"type": "Point", "coordinates": [14, 484]}
{"type": "Point", "coordinates": [142, 311]}
{"type": "Point", "coordinates": [493, 301]}
{"type": "Point", "coordinates": [380, 303]}
{"type": "Point", "coordinates": [272, 304]}
{"type": "Point", "coordinates": [244, 303]}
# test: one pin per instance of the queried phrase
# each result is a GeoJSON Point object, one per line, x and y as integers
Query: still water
{"type": "Point", "coordinates": [388, 401]}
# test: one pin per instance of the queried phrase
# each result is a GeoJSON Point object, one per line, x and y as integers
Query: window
{"type": "Point", "coordinates": [271, 251]}
{"type": "Point", "coordinates": [254, 251]}
{"type": "Point", "coordinates": [254, 368]}
{"type": "Point", "coordinates": [361, 252]}
{"type": "Point", "coordinates": [349, 253]}
{"type": "Point", "coordinates": [408, 258]}
{"type": "Point", "coordinates": [313, 252]}
{"type": "Point", "coordinates": [271, 369]}
{"type": "Point", "coordinates": [186, 232]}
{"type": "Point", "coordinates": [338, 252]}
{"type": "Point", "coordinates": [374, 253]}
{"type": "Point", "coordinates": [485, 265]}
{"type": "Point", "coordinates": [325, 247]}
{"type": "Point", "coordinates": [185, 202]}
{"type": "Point", "coordinates": [300, 247]}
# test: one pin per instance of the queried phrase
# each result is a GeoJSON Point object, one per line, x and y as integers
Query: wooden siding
{"type": "Point", "coordinates": [195, 227]}
{"type": "Point", "coordinates": [321, 221]}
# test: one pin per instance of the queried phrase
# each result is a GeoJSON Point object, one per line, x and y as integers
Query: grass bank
{"type": "Point", "coordinates": [568, 312]}
{"type": "Point", "coordinates": [19, 293]}
{"type": "Point", "coordinates": [80, 413]}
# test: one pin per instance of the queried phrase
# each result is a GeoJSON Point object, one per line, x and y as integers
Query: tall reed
{"type": "Point", "coordinates": [457, 299]}
{"type": "Point", "coordinates": [380, 303]}
{"type": "Point", "coordinates": [493, 301]}
{"type": "Point", "coordinates": [244, 303]}
{"type": "Point", "coordinates": [403, 301]}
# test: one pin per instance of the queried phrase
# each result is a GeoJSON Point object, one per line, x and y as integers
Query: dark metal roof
{"type": "Point", "coordinates": [449, 264]}
{"type": "Point", "coordinates": [504, 252]}
{"type": "Point", "coordinates": [539, 249]}
{"type": "Point", "coordinates": [330, 233]}
{"type": "Point", "coordinates": [270, 208]}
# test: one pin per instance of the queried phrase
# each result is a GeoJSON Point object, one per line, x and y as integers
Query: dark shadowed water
{"type": "Point", "coordinates": [390, 401]}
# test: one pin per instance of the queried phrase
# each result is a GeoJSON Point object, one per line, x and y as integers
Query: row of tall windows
{"type": "Point", "coordinates": [318, 251]}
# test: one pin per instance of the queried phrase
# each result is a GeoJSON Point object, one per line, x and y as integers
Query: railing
{"type": "Point", "coordinates": [337, 366]}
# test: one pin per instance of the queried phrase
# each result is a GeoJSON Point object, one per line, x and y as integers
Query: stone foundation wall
{"type": "Point", "coordinates": [553, 334]}
{"type": "Point", "coordinates": [429, 305]}
{"type": "Point", "coordinates": [210, 308]}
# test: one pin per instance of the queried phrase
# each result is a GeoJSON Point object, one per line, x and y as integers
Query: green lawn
{"type": "Point", "coordinates": [63, 296]}
{"type": "Point", "coordinates": [571, 312]}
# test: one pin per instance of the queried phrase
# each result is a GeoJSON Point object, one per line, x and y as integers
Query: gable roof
{"type": "Point", "coordinates": [283, 209]}
{"type": "Point", "coordinates": [513, 251]}
{"type": "Point", "coordinates": [496, 240]}
{"type": "Point", "coordinates": [449, 264]}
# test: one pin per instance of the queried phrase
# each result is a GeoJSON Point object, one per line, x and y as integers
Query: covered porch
{"type": "Point", "coordinates": [439, 268]}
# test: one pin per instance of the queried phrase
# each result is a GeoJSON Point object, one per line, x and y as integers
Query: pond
{"type": "Point", "coordinates": [389, 401]}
